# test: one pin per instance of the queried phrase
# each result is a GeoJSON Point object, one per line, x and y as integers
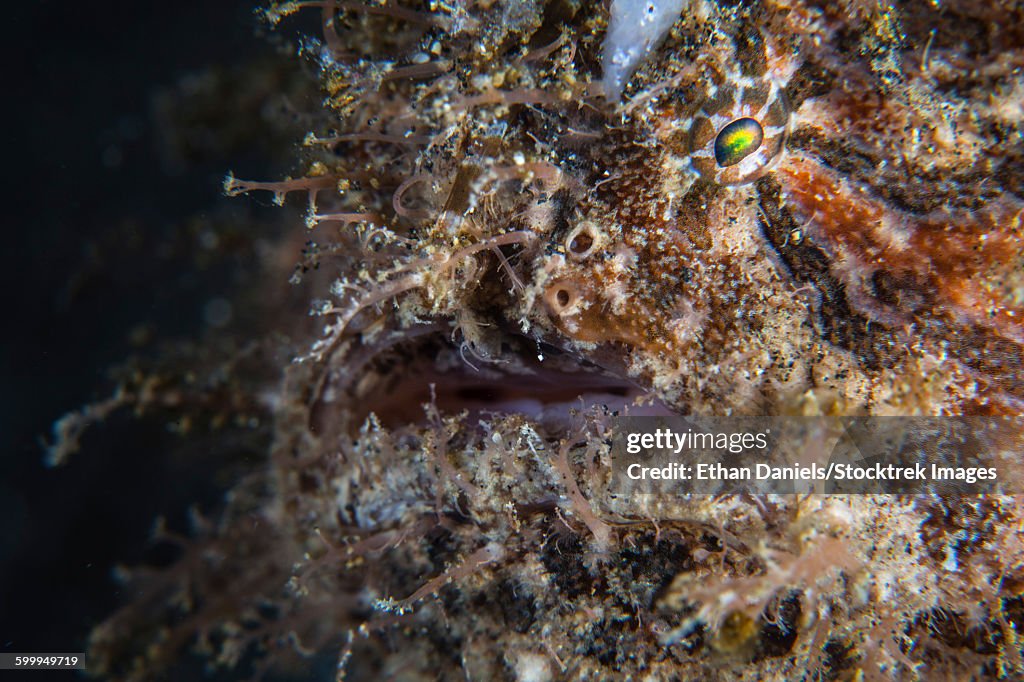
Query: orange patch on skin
{"type": "Point", "coordinates": [973, 258]}
{"type": "Point", "coordinates": [964, 263]}
{"type": "Point", "coordinates": [589, 321]}
{"type": "Point", "coordinates": [846, 219]}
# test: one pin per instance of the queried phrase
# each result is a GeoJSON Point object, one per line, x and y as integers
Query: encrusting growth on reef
{"type": "Point", "coordinates": [793, 208]}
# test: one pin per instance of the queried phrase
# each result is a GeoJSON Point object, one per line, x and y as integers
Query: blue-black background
{"type": "Point", "coordinates": [88, 204]}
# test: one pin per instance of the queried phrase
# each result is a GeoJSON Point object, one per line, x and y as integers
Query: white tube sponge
{"type": "Point", "coordinates": [635, 28]}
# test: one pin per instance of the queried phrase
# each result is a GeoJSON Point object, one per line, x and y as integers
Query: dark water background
{"type": "Point", "coordinates": [90, 209]}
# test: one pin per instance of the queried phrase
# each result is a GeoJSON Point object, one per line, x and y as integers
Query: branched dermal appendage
{"type": "Point", "coordinates": [580, 505]}
{"type": "Point", "coordinates": [68, 430]}
{"type": "Point", "coordinates": [814, 570]}
{"type": "Point", "coordinates": [234, 187]}
{"type": "Point", "coordinates": [409, 139]}
{"type": "Point", "coordinates": [353, 218]}
{"type": "Point", "coordinates": [369, 233]}
{"type": "Point", "coordinates": [489, 553]}
{"type": "Point", "coordinates": [416, 274]}
{"type": "Point", "coordinates": [396, 198]}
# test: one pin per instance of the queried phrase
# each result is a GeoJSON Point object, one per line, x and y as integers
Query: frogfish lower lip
{"type": "Point", "coordinates": [547, 391]}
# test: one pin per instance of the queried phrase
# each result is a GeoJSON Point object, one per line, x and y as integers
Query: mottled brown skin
{"type": "Point", "coordinates": [544, 244]}
{"type": "Point", "coordinates": [909, 256]}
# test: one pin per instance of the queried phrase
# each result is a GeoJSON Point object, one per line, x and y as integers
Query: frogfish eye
{"type": "Point", "coordinates": [740, 130]}
{"type": "Point", "coordinates": [737, 141]}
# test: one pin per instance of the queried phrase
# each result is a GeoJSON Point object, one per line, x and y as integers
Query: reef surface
{"type": "Point", "coordinates": [792, 208]}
